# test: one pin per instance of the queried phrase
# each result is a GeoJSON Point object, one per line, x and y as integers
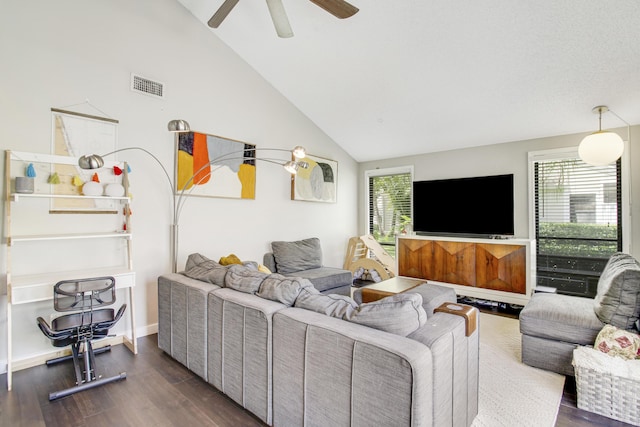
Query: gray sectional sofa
{"type": "Point", "coordinates": [294, 356]}
{"type": "Point", "coordinates": [553, 325]}
{"type": "Point", "coordinates": [303, 258]}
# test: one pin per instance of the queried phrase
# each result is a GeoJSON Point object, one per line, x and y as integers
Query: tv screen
{"type": "Point", "coordinates": [478, 206]}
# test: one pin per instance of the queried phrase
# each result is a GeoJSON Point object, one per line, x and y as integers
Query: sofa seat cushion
{"type": "Point", "coordinates": [433, 296]}
{"type": "Point", "coordinates": [297, 256]}
{"type": "Point", "coordinates": [560, 317]}
{"type": "Point", "coordinates": [325, 278]}
{"type": "Point", "coordinates": [618, 298]}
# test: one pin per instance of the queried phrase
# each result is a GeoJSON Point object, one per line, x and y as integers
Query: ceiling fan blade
{"type": "Point", "coordinates": [221, 13]}
{"type": "Point", "coordinates": [338, 8]}
{"type": "Point", "coordinates": [279, 18]}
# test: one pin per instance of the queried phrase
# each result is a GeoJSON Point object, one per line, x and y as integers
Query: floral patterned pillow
{"type": "Point", "coordinates": [618, 342]}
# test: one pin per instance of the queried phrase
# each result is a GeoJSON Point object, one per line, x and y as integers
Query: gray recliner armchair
{"type": "Point", "coordinates": [553, 325]}
{"type": "Point", "coordinates": [303, 258]}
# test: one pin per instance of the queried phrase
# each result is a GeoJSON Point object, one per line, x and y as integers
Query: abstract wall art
{"type": "Point", "coordinates": [318, 182]}
{"type": "Point", "coordinates": [231, 175]}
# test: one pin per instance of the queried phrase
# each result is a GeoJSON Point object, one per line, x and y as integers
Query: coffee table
{"type": "Point", "coordinates": [392, 286]}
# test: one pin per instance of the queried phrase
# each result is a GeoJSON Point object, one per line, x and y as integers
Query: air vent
{"type": "Point", "coordinates": [146, 86]}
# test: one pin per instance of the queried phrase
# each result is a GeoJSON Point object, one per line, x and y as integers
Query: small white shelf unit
{"type": "Point", "coordinates": [33, 288]}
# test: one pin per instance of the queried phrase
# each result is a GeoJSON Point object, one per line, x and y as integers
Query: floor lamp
{"type": "Point", "coordinates": [95, 161]}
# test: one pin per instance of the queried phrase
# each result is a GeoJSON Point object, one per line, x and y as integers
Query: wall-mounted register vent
{"type": "Point", "coordinates": [146, 86]}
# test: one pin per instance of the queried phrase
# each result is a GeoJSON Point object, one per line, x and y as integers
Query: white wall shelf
{"type": "Point", "coordinates": [15, 197]}
{"type": "Point", "coordinates": [32, 288]}
{"type": "Point", "coordinates": [40, 237]}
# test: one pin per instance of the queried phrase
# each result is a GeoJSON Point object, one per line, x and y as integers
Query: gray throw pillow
{"type": "Point", "coordinates": [285, 290]}
{"type": "Point", "coordinates": [197, 259]}
{"type": "Point", "coordinates": [202, 268]}
{"type": "Point", "coordinates": [399, 314]}
{"type": "Point", "coordinates": [297, 256]}
{"type": "Point", "coordinates": [332, 304]}
{"type": "Point", "coordinates": [244, 279]}
{"type": "Point", "coordinates": [618, 299]}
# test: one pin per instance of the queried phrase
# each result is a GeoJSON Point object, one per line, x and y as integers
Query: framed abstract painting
{"type": "Point", "coordinates": [318, 182]}
{"type": "Point", "coordinates": [213, 166]}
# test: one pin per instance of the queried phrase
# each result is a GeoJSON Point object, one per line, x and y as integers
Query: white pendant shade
{"type": "Point", "coordinates": [601, 148]}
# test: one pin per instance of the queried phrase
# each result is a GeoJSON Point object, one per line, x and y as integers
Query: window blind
{"type": "Point", "coordinates": [577, 222]}
{"type": "Point", "coordinates": [389, 208]}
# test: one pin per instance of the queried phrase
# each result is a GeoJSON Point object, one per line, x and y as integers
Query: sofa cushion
{"type": "Point", "coordinates": [332, 305]}
{"type": "Point", "coordinates": [202, 268]}
{"type": "Point", "coordinates": [325, 278]}
{"type": "Point", "coordinates": [618, 298]}
{"type": "Point", "coordinates": [565, 318]}
{"type": "Point", "coordinates": [244, 279]}
{"type": "Point", "coordinates": [400, 314]}
{"type": "Point", "coordinates": [285, 290]}
{"type": "Point", "coordinates": [296, 256]}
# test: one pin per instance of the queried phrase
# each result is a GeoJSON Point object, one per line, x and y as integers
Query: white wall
{"type": "Point", "coordinates": [503, 159]}
{"type": "Point", "coordinates": [56, 54]}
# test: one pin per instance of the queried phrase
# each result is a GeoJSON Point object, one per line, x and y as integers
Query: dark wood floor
{"type": "Point", "coordinates": [158, 391]}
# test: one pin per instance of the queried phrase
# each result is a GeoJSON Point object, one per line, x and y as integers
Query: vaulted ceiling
{"type": "Point", "coordinates": [417, 76]}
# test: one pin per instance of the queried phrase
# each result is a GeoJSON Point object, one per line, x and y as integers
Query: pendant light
{"type": "Point", "coordinates": [601, 147]}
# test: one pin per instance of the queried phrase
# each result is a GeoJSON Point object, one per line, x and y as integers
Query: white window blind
{"type": "Point", "coordinates": [389, 207]}
{"type": "Point", "coordinates": [577, 222]}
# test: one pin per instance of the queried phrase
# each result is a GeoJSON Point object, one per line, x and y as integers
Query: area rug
{"type": "Point", "coordinates": [512, 393]}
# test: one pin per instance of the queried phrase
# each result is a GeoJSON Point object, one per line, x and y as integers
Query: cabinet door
{"type": "Point", "coordinates": [415, 258]}
{"type": "Point", "coordinates": [454, 262]}
{"type": "Point", "coordinates": [441, 261]}
{"type": "Point", "coordinates": [501, 267]}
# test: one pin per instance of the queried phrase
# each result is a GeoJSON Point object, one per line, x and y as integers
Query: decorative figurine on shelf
{"type": "Point", "coordinates": [114, 190]}
{"type": "Point", "coordinates": [54, 178]}
{"type": "Point", "coordinates": [26, 184]}
{"type": "Point", "coordinates": [92, 188]}
{"type": "Point", "coordinates": [95, 177]}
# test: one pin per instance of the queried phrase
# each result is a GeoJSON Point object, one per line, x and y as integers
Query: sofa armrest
{"type": "Point", "coordinates": [269, 261]}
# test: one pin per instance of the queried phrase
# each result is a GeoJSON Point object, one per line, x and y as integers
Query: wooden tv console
{"type": "Point", "coordinates": [493, 269]}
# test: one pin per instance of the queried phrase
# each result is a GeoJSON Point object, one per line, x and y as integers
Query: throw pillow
{"type": "Point", "coordinates": [264, 269]}
{"type": "Point", "coordinates": [400, 314]}
{"type": "Point", "coordinates": [618, 342]}
{"type": "Point", "coordinates": [297, 256]}
{"type": "Point", "coordinates": [196, 259]}
{"type": "Point", "coordinates": [332, 304]}
{"type": "Point", "coordinates": [243, 279]}
{"type": "Point", "coordinates": [202, 268]}
{"type": "Point", "coordinates": [229, 260]}
{"type": "Point", "coordinates": [282, 289]}
{"type": "Point", "coordinates": [618, 297]}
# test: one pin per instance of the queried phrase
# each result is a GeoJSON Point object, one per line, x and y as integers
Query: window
{"type": "Point", "coordinates": [388, 204]}
{"type": "Point", "coordinates": [577, 220]}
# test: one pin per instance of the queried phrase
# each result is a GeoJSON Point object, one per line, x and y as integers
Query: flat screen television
{"type": "Point", "coordinates": [474, 207]}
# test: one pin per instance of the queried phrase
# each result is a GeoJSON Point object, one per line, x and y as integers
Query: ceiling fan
{"type": "Point", "coordinates": [338, 8]}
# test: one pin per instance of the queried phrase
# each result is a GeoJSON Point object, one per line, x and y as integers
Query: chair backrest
{"type": "Point", "coordinates": [84, 294]}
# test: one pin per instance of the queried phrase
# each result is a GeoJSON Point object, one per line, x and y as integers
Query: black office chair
{"type": "Point", "coordinates": [79, 329]}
